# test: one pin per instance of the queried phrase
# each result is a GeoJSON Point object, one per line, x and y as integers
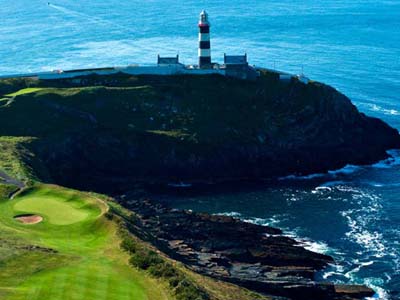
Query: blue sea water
{"type": "Point", "coordinates": [353, 214]}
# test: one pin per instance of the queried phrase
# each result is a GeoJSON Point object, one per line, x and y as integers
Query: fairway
{"type": "Point", "coordinates": [24, 91]}
{"type": "Point", "coordinates": [73, 254]}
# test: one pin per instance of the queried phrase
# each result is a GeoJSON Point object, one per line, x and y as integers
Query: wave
{"type": "Point", "coordinates": [302, 177]}
{"type": "Point", "coordinates": [180, 185]}
{"type": "Point", "coordinates": [346, 170]}
{"type": "Point", "coordinates": [315, 246]}
{"type": "Point", "coordinates": [333, 176]}
{"type": "Point", "coordinates": [375, 284]}
{"type": "Point", "coordinates": [380, 184]}
{"type": "Point", "coordinates": [350, 273]}
{"type": "Point", "coordinates": [327, 186]}
{"type": "Point", "coordinates": [233, 214]}
{"type": "Point", "coordinates": [318, 247]}
{"type": "Point", "coordinates": [272, 221]}
{"type": "Point", "coordinates": [393, 160]}
{"type": "Point", "coordinates": [359, 220]}
{"type": "Point", "coordinates": [385, 111]}
{"type": "Point", "coordinates": [333, 270]}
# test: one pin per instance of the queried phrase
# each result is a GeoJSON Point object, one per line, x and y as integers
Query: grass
{"type": "Point", "coordinates": [23, 92]}
{"type": "Point", "coordinates": [73, 254]}
{"type": "Point", "coordinates": [14, 155]}
{"type": "Point", "coordinates": [6, 189]}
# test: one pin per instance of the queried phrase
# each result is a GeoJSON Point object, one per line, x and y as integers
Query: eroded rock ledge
{"type": "Point", "coordinates": [257, 257]}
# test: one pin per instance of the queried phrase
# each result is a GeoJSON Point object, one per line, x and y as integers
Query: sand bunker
{"type": "Point", "coordinates": [29, 219]}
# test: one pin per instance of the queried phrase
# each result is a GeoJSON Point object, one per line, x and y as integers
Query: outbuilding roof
{"type": "Point", "coordinates": [235, 59]}
{"type": "Point", "coordinates": [168, 60]}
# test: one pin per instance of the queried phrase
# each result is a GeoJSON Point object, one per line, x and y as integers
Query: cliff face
{"type": "Point", "coordinates": [121, 129]}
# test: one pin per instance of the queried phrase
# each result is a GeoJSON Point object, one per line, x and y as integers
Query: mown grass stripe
{"type": "Point", "coordinates": [78, 285]}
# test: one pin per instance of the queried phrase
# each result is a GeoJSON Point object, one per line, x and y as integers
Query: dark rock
{"type": "Point", "coordinates": [257, 257]}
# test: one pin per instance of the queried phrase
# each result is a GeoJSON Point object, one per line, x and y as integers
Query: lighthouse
{"type": "Point", "coordinates": [204, 41]}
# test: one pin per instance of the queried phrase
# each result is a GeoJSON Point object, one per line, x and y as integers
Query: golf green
{"type": "Point", "coordinates": [57, 207]}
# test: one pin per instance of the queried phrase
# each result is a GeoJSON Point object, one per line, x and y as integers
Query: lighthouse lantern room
{"type": "Point", "coordinates": [204, 41]}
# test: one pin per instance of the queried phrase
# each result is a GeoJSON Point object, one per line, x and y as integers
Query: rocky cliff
{"type": "Point", "coordinates": [95, 130]}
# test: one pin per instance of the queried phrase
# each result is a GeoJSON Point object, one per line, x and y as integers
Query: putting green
{"type": "Point", "coordinates": [58, 208]}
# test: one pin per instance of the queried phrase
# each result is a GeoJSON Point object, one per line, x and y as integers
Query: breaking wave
{"type": "Point", "coordinates": [333, 175]}
{"type": "Point", "coordinates": [386, 111]}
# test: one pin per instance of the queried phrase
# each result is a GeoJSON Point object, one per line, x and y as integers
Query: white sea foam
{"type": "Point", "coordinates": [346, 170]}
{"type": "Point", "coordinates": [230, 214]}
{"type": "Point", "coordinates": [393, 160]}
{"type": "Point", "coordinates": [375, 284]}
{"type": "Point", "coordinates": [301, 177]}
{"type": "Point", "coordinates": [319, 247]}
{"type": "Point", "coordinates": [333, 270]}
{"type": "Point", "coordinates": [273, 221]}
{"type": "Point", "coordinates": [180, 185]}
{"type": "Point", "coordinates": [360, 219]}
{"type": "Point", "coordinates": [386, 111]}
{"type": "Point", "coordinates": [309, 244]}
{"type": "Point", "coordinates": [315, 246]}
{"type": "Point", "coordinates": [350, 274]}
{"type": "Point", "coordinates": [327, 186]}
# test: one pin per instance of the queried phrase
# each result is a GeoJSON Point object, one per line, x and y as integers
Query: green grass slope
{"type": "Point", "coordinates": [73, 254]}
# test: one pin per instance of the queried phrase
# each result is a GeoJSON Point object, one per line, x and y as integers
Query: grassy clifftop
{"type": "Point", "coordinates": [166, 128]}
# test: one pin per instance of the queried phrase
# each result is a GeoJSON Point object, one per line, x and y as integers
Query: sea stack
{"type": "Point", "coordinates": [204, 41]}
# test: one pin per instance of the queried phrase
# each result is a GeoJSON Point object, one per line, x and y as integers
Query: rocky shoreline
{"type": "Point", "coordinates": [256, 257]}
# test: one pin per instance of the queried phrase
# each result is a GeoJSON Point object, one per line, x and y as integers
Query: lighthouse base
{"type": "Point", "coordinates": [205, 62]}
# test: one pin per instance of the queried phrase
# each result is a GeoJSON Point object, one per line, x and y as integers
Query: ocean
{"type": "Point", "coordinates": [352, 214]}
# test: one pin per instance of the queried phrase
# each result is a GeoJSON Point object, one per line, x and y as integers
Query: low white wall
{"type": "Point", "coordinates": [145, 70]}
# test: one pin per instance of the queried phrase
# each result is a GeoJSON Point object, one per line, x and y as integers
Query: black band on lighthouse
{"type": "Point", "coordinates": [205, 60]}
{"type": "Point", "coordinates": [204, 29]}
{"type": "Point", "coordinates": [205, 45]}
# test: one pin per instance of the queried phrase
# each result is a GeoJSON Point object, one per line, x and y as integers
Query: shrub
{"type": "Point", "coordinates": [186, 290]}
{"type": "Point", "coordinates": [128, 245]}
{"type": "Point", "coordinates": [174, 281]}
{"type": "Point", "coordinates": [164, 270]}
{"type": "Point", "coordinates": [145, 259]}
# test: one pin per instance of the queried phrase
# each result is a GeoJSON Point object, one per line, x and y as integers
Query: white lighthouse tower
{"type": "Point", "coordinates": [204, 41]}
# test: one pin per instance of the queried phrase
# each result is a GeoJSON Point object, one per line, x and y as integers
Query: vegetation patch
{"type": "Point", "coordinates": [23, 92]}
{"type": "Point", "coordinates": [6, 190]}
{"type": "Point", "coordinates": [142, 258]}
{"type": "Point", "coordinates": [15, 157]}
